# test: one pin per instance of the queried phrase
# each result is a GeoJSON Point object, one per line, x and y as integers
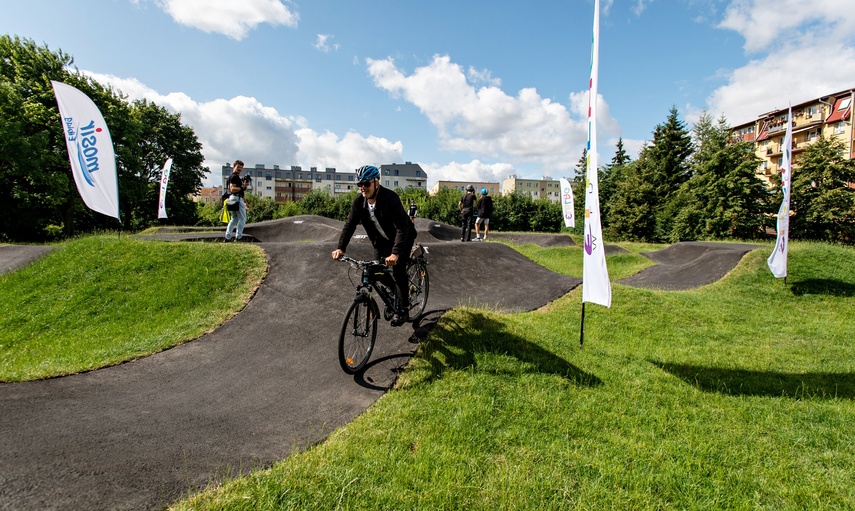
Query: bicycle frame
{"type": "Point", "coordinates": [372, 273]}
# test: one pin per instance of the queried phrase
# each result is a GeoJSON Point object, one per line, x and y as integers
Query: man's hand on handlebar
{"type": "Point", "coordinates": [337, 253]}
{"type": "Point", "coordinates": [392, 260]}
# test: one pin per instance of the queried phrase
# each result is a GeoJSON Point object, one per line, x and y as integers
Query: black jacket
{"type": "Point", "coordinates": [485, 206]}
{"type": "Point", "coordinates": [399, 230]}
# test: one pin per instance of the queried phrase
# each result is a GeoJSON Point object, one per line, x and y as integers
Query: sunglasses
{"type": "Point", "coordinates": [364, 184]}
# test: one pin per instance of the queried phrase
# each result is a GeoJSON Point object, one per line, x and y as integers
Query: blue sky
{"type": "Point", "coordinates": [472, 91]}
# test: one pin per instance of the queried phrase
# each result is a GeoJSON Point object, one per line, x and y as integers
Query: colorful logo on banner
{"type": "Point", "coordinates": [567, 206]}
{"type": "Point", "coordinates": [90, 149]}
{"type": "Point", "coordinates": [86, 140]}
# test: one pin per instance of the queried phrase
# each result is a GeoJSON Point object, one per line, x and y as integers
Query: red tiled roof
{"type": "Point", "coordinates": [839, 114]}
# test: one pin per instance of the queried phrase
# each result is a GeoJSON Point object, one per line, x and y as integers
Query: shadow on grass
{"type": "Point", "coordinates": [381, 374]}
{"type": "Point", "coordinates": [822, 287]}
{"type": "Point", "coordinates": [458, 343]}
{"type": "Point", "coordinates": [738, 382]}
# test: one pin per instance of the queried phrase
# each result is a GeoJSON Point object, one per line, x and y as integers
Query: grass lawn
{"type": "Point", "coordinates": [102, 300]}
{"type": "Point", "coordinates": [737, 395]}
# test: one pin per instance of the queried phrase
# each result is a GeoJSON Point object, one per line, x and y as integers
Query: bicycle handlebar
{"type": "Point", "coordinates": [357, 263]}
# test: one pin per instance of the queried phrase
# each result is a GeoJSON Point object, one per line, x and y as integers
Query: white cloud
{"type": "Point", "coordinates": [242, 127]}
{"type": "Point", "coordinates": [323, 43]}
{"type": "Point", "coordinates": [351, 151]}
{"type": "Point", "coordinates": [473, 172]}
{"type": "Point", "coordinates": [486, 122]}
{"type": "Point", "coordinates": [802, 51]}
{"type": "Point", "coordinates": [640, 6]}
{"type": "Point", "coordinates": [767, 23]}
{"type": "Point", "coordinates": [228, 17]}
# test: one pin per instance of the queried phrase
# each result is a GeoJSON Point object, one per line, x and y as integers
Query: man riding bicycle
{"type": "Point", "coordinates": [390, 230]}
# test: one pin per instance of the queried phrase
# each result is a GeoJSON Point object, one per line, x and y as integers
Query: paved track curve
{"type": "Point", "coordinates": [143, 434]}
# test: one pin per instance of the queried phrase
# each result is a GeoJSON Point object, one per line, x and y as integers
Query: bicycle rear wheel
{"type": "Point", "coordinates": [419, 282]}
{"type": "Point", "coordinates": [358, 333]}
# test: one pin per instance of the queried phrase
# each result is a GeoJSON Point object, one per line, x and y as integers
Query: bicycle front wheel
{"type": "Point", "coordinates": [417, 276]}
{"type": "Point", "coordinates": [358, 333]}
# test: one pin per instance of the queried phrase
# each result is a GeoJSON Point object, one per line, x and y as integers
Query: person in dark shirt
{"type": "Point", "coordinates": [237, 186]}
{"type": "Point", "coordinates": [466, 206]}
{"type": "Point", "coordinates": [485, 210]}
{"type": "Point", "coordinates": [391, 232]}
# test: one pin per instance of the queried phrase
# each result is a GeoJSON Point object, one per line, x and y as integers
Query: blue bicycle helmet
{"type": "Point", "coordinates": [483, 191]}
{"type": "Point", "coordinates": [367, 173]}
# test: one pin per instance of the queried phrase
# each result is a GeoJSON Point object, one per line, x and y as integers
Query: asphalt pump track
{"type": "Point", "coordinates": [265, 384]}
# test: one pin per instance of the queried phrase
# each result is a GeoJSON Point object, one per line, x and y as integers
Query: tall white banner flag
{"type": "Point", "coordinates": [90, 150]}
{"type": "Point", "coordinates": [567, 206]}
{"type": "Point", "coordinates": [164, 182]}
{"type": "Point", "coordinates": [596, 286]}
{"type": "Point", "coordinates": [778, 260]}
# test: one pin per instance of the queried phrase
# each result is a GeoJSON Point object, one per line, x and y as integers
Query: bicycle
{"type": "Point", "coordinates": [359, 328]}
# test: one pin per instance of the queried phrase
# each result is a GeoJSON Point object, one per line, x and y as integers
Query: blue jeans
{"type": "Point", "coordinates": [238, 220]}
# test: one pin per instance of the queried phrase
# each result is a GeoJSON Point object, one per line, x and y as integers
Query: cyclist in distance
{"type": "Point", "coordinates": [390, 230]}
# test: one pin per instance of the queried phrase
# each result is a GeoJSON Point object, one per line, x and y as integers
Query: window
{"type": "Point", "coordinates": [268, 176]}
{"type": "Point", "coordinates": [329, 178]}
{"type": "Point", "coordinates": [396, 172]}
{"type": "Point", "coordinates": [812, 135]}
{"type": "Point", "coordinates": [386, 183]}
{"type": "Point", "coordinates": [396, 184]}
{"type": "Point", "coordinates": [844, 104]}
{"type": "Point", "coordinates": [839, 128]}
{"type": "Point", "coordinates": [418, 173]}
{"type": "Point", "coordinates": [338, 178]}
{"type": "Point", "coordinates": [349, 178]}
{"type": "Point", "coordinates": [386, 171]}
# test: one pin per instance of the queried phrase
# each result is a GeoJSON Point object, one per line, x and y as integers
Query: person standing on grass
{"type": "Point", "coordinates": [237, 186]}
{"type": "Point", "coordinates": [391, 232]}
{"type": "Point", "coordinates": [466, 206]}
{"type": "Point", "coordinates": [485, 209]}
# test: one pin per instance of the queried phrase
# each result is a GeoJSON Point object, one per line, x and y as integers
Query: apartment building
{"type": "Point", "coordinates": [545, 188]}
{"type": "Point", "coordinates": [403, 175]}
{"type": "Point", "coordinates": [293, 183]}
{"type": "Point", "coordinates": [492, 188]}
{"type": "Point", "coordinates": [829, 116]}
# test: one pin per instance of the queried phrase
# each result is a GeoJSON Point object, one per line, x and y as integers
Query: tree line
{"type": "Point", "coordinates": [684, 186]}
{"type": "Point", "coordinates": [42, 202]}
{"type": "Point", "coordinates": [697, 184]}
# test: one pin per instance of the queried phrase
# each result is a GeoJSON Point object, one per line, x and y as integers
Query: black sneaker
{"type": "Point", "coordinates": [399, 319]}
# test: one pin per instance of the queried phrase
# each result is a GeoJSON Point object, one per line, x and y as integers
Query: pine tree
{"type": "Point", "coordinates": [661, 168]}
{"type": "Point", "coordinates": [822, 200]}
{"type": "Point", "coordinates": [612, 176]}
{"type": "Point", "coordinates": [723, 198]}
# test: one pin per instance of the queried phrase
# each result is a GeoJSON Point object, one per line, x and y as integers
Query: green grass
{"type": "Point", "coordinates": [102, 300]}
{"type": "Point", "coordinates": [737, 395]}
{"type": "Point", "coordinates": [568, 260]}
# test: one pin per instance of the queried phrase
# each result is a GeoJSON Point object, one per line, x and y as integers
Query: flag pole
{"type": "Point", "coordinates": [596, 286]}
